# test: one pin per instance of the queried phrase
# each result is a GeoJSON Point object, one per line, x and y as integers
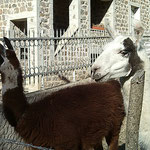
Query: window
{"type": "Point", "coordinates": [98, 11]}
{"type": "Point", "coordinates": [20, 24]}
{"type": "Point", "coordinates": [61, 14]}
{"type": "Point", "coordinates": [19, 29]}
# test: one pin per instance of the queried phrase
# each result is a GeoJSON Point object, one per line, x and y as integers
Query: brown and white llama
{"type": "Point", "coordinates": [74, 118]}
{"type": "Point", "coordinates": [121, 58]}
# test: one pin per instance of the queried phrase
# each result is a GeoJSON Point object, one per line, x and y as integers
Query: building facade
{"type": "Point", "coordinates": [47, 15]}
{"type": "Point", "coordinates": [67, 18]}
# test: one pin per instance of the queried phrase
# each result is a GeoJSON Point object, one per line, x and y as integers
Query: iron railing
{"type": "Point", "coordinates": [43, 57]}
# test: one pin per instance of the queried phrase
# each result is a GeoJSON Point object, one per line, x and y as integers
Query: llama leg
{"type": "Point", "coordinates": [112, 141]}
{"type": "Point", "coordinates": [108, 138]}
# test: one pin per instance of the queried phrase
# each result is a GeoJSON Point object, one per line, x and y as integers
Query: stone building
{"type": "Point", "coordinates": [41, 18]}
{"type": "Point", "coordinates": [69, 15]}
{"type": "Point", "coordinates": [50, 14]}
{"type": "Point", "coordinates": [122, 14]}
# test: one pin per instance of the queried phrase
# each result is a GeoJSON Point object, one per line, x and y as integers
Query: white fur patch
{"type": "Point", "coordinates": [10, 76]}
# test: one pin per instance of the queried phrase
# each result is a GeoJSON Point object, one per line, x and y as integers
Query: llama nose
{"type": "Point", "coordinates": [94, 69]}
{"type": "Point", "coordinates": [97, 76]}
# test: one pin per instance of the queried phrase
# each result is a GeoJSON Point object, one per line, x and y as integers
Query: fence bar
{"type": "Point", "coordinates": [134, 110]}
{"type": "Point", "coordinates": [24, 144]}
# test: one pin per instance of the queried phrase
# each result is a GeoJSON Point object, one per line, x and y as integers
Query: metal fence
{"type": "Point", "coordinates": [44, 57]}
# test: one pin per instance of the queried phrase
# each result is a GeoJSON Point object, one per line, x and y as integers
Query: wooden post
{"type": "Point", "coordinates": [134, 110]}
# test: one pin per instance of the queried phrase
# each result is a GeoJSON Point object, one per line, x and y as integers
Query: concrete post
{"type": "Point", "coordinates": [134, 110]}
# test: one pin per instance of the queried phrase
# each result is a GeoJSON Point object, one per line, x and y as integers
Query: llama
{"type": "Point", "coordinates": [67, 119]}
{"type": "Point", "coordinates": [121, 58]}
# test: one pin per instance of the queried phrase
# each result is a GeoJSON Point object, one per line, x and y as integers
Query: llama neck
{"type": "Point", "coordinates": [136, 64]}
{"type": "Point", "coordinates": [14, 99]}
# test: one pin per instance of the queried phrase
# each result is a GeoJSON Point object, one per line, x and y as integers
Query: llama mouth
{"type": "Point", "coordinates": [102, 79]}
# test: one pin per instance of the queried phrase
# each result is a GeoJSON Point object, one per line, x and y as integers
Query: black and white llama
{"type": "Point", "coordinates": [121, 58]}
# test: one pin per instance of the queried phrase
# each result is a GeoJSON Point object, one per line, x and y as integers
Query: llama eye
{"type": "Point", "coordinates": [124, 53]}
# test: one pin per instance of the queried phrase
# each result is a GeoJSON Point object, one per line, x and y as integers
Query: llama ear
{"type": "Point", "coordinates": [2, 50]}
{"type": "Point", "coordinates": [109, 29]}
{"type": "Point", "coordinates": [8, 44]}
{"type": "Point", "coordinates": [1, 47]}
{"type": "Point", "coordinates": [138, 32]}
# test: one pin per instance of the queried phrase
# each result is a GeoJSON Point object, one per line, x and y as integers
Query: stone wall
{"type": "Point", "coordinates": [122, 14]}
{"type": "Point", "coordinates": [45, 21]}
{"type": "Point", "coordinates": [10, 9]}
{"type": "Point", "coordinates": [145, 13]}
{"type": "Point", "coordinates": [84, 15]}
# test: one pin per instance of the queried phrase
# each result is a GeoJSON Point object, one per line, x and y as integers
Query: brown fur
{"type": "Point", "coordinates": [81, 115]}
{"type": "Point", "coordinates": [74, 118]}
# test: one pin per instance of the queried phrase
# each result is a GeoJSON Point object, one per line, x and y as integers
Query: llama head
{"type": "Point", "coordinates": [8, 58]}
{"type": "Point", "coordinates": [9, 65]}
{"type": "Point", "coordinates": [117, 58]}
